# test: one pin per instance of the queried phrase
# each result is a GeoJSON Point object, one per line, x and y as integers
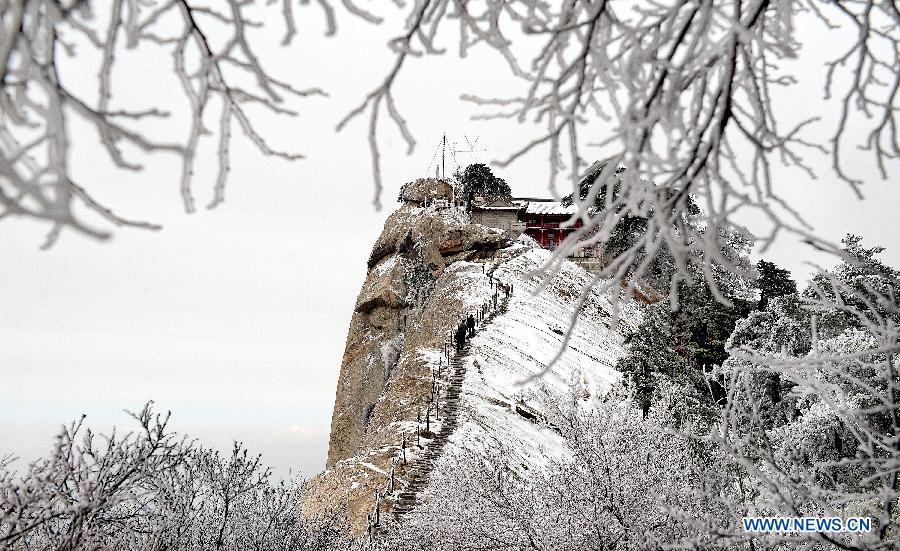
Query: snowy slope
{"type": "Point", "coordinates": [429, 271]}
{"type": "Point", "coordinates": [500, 410]}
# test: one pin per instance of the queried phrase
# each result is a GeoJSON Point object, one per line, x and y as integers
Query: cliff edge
{"type": "Point", "coordinates": [430, 269]}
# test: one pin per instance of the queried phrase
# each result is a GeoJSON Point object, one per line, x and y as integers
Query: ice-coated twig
{"type": "Point", "coordinates": [38, 105]}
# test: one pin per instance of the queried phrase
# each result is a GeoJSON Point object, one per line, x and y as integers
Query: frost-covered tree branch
{"type": "Point", "coordinates": [684, 96]}
{"type": "Point", "coordinates": [422, 25]}
{"type": "Point", "coordinates": [688, 93]}
{"type": "Point", "coordinates": [150, 489]}
{"type": "Point", "coordinates": [211, 55]}
{"type": "Point", "coordinates": [815, 419]}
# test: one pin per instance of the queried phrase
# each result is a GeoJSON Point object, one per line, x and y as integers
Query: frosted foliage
{"type": "Point", "coordinates": [782, 326]}
{"type": "Point", "coordinates": [816, 421]}
{"type": "Point", "coordinates": [617, 489]}
{"type": "Point", "coordinates": [150, 489]}
{"type": "Point", "coordinates": [212, 57]}
{"type": "Point", "coordinates": [681, 94]}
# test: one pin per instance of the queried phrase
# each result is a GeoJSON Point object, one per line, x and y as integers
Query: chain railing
{"type": "Point", "coordinates": [466, 329]}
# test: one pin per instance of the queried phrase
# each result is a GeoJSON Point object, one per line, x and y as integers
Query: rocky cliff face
{"type": "Point", "coordinates": [406, 262]}
{"type": "Point", "coordinates": [429, 269]}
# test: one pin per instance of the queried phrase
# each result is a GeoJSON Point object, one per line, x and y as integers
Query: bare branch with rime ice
{"type": "Point", "coordinates": [150, 489]}
{"type": "Point", "coordinates": [683, 96]}
{"type": "Point", "coordinates": [38, 107]}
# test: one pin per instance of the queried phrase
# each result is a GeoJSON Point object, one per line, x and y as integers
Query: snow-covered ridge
{"type": "Point", "coordinates": [428, 271]}
{"type": "Point", "coordinates": [502, 412]}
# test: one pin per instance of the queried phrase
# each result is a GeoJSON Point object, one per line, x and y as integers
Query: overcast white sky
{"type": "Point", "coordinates": [235, 318]}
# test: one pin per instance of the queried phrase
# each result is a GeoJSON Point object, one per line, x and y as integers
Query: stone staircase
{"type": "Point", "coordinates": [418, 474]}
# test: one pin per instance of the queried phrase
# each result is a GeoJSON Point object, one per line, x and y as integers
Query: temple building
{"type": "Point", "coordinates": [502, 214]}
{"type": "Point", "coordinates": [543, 217]}
{"type": "Point", "coordinates": [540, 219]}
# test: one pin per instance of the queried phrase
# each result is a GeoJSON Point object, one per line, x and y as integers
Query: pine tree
{"type": "Point", "coordinates": [773, 282]}
{"type": "Point", "coordinates": [586, 183]}
{"type": "Point", "coordinates": [478, 181]}
{"type": "Point", "coordinates": [650, 352]}
{"type": "Point", "coordinates": [629, 228]}
{"type": "Point", "coordinates": [681, 347]}
{"type": "Point", "coordinates": [866, 282]}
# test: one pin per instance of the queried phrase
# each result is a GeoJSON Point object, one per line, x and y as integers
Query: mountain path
{"type": "Point", "coordinates": [419, 473]}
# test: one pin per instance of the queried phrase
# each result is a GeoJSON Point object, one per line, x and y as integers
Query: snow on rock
{"type": "Point", "coordinates": [505, 415]}
{"type": "Point", "coordinates": [428, 270]}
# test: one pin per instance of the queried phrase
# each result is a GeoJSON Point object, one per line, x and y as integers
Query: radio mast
{"type": "Point", "coordinates": [440, 170]}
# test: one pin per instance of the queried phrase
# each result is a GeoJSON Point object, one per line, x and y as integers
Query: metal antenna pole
{"type": "Point", "coordinates": [471, 149]}
{"type": "Point", "coordinates": [443, 152]}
